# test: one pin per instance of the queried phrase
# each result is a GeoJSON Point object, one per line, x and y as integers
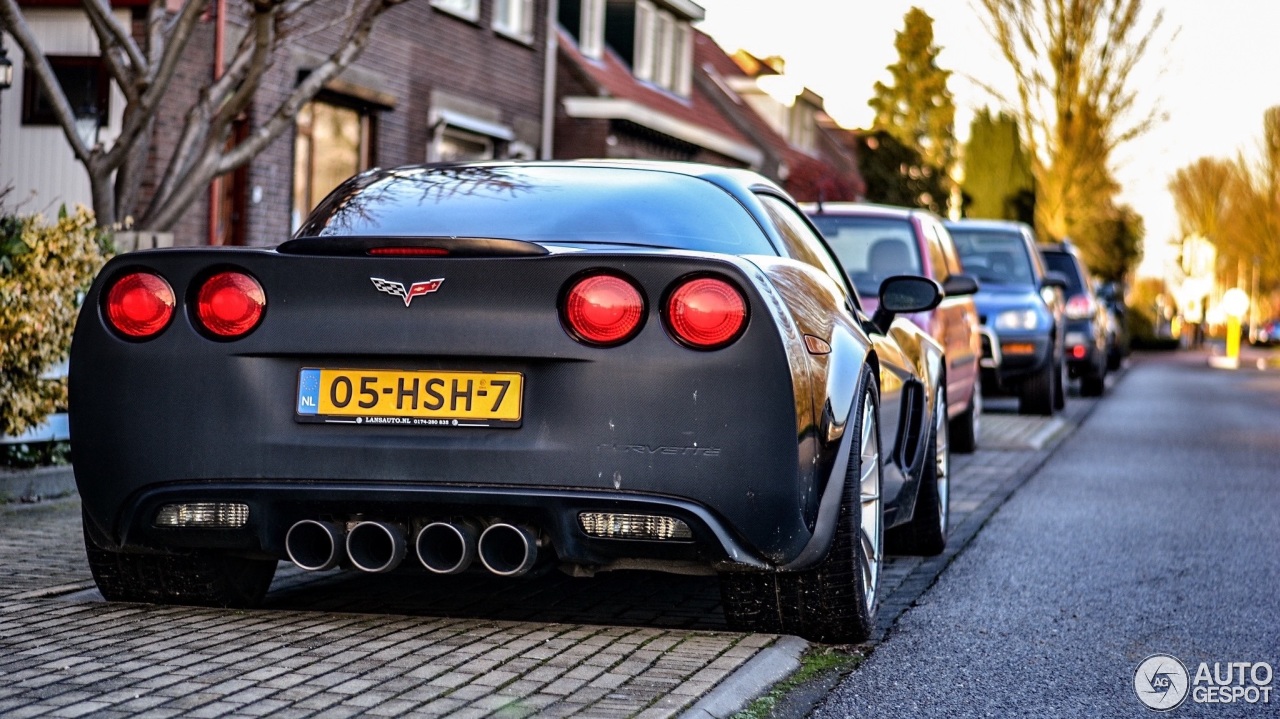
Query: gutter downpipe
{"type": "Point", "coordinates": [215, 185]}
{"type": "Point", "coordinates": [548, 80]}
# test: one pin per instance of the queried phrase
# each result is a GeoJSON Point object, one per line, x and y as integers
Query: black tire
{"type": "Point", "coordinates": [966, 427]}
{"type": "Point", "coordinates": [925, 535]}
{"type": "Point", "coordinates": [834, 601]}
{"type": "Point", "coordinates": [207, 580]}
{"type": "Point", "coordinates": [1093, 385]}
{"type": "Point", "coordinates": [1036, 395]}
{"type": "Point", "coordinates": [1060, 387]}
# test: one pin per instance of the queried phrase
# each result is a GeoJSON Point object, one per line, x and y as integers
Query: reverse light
{"type": "Point", "coordinates": [208, 515]}
{"type": "Point", "coordinates": [603, 310]}
{"type": "Point", "coordinates": [230, 304]}
{"type": "Point", "coordinates": [706, 313]}
{"type": "Point", "coordinates": [139, 305]}
{"type": "Point", "coordinates": [611, 525]}
{"type": "Point", "coordinates": [1080, 307]}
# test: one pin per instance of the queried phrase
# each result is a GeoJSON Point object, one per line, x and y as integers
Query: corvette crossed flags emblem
{"type": "Point", "coordinates": [417, 289]}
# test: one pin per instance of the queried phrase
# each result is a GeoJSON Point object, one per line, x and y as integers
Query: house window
{"type": "Point", "coordinates": [84, 81]}
{"type": "Point", "coordinates": [457, 145]}
{"type": "Point", "coordinates": [458, 136]}
{"type": "Point", "coordinates": [465, 9]}
{"type": "Point", "coordinates": [514, 18]}
{"type": "Point", "coordinates": [584, 21]}
{"type": "Point", "coordinates": [333, 142]}
{"type": "Point", "coordinates": [662, 48]}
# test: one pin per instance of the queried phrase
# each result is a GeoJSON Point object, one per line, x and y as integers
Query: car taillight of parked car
{"type": "Point", "coordinates": [139, 305]}
{"type": "Point", "coordinates": [230, 304]}
{"type": "Point", "coordinates": [1080, 307]}
{"type": "Point", "coordinates": [602, 309]}
{"type": "Point", "coordinates": [706, 313]}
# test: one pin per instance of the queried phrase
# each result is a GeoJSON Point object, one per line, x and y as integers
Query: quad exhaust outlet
{"type": "Point", "coordinates": [443, 547]}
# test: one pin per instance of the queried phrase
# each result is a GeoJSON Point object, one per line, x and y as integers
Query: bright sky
{"type": "Point", "coordinates": [1214, 79]}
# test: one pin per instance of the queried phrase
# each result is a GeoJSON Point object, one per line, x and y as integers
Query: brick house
{"type": "Point", "coordinates": [635, 79]}
{"type": "Point", "coordinates": [439, 80]}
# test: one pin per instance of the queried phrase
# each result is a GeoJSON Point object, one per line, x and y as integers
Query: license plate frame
{"type": "Point", "coordinates": [417, 398]}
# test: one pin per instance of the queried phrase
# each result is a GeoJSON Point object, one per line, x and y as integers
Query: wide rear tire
{"type": "Point", "coordinates": [835, 600]}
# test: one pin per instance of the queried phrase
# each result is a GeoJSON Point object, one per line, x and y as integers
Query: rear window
{"type": "Point", "coordinates": [871, 249]}
{"type": "Point", "coordinates": [1066, 264]}
{"type": "Point", "coordinates": [548, 204]}
{"type": "Point", "coordinates": [994, 256]}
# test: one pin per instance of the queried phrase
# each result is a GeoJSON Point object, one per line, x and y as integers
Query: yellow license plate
{"type": "Point", "coordinates": [410, 397]}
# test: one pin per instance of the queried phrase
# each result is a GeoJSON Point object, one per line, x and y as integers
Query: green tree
{"type": "Point", "coordinates": [1073, 63]}
{"type": "Point", "coordinates": [917, 108]}
{"type": "Point", "coordinates": [895, 174]}
{"type": "Point", "coordinates": [1112, 245]}
{"type": "Point", "coordinates": [997, 171]}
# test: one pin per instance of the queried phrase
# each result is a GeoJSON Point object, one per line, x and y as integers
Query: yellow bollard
{"type": "Point", "coordinates": [1233, 338]}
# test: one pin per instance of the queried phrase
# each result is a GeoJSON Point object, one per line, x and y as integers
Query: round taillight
{"type": "Point", "coordinates": [230, 304]}
{"type": "Point", "coordinates": [706, 313]}
{"type": "Point", "coordinates": [140, 305]}
{"type": "Point", "coordinates": [603, 310]}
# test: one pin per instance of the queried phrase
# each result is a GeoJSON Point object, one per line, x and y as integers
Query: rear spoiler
{"type": "Point", "coordinates": [349, 246]}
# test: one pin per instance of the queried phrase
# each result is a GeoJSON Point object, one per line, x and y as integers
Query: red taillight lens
{"type": "Point", "coordinates": [603, 310]}
{"type": "Point", "coordinates": [139, 305]}
{"type": "Point", "coordinates": [230, 304]}
{"type": "Point", "coordinates": [706, 313]}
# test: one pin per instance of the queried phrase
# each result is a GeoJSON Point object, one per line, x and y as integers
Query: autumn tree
{"type": "Point", "coordinates": [1200, 194]}
{"type": "Point", "coordinates": [1235, 205]}
{"type": "Point", "coordinates": [997, 171]}
{"type": "Point", "coordinates": [917, 109]}
{"type": "Point", "coordinates": [1073, 63]}
{"type": "Point", "coordinates": [145, 70]}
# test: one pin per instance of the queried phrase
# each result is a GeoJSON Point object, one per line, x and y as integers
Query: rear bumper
{"type": "Point", "coordinates": [553, 514]}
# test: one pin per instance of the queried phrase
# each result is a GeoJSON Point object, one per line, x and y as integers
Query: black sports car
{"type": "Point", "coordinates": [509, 367]}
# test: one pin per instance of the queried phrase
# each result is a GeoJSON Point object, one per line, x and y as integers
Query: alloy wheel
{"type": "Point", "coordinates": [872, 525]}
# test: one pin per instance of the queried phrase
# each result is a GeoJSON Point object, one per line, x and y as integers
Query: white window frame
{"type": "Point", "coordinates": [514, 18]}
{"type": "Point", "coordinates": [465, 9]}
{"type": "Point", "coordinates": [591, 29]}
{"type": "Point", "coordinates": [642, 63]}
{"type": "Point", "coordinates": [663, 49]}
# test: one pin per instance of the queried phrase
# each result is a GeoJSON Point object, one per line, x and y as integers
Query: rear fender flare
{"type": "Point", "coordinates": [824, 529]}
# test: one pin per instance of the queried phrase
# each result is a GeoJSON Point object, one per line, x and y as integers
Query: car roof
{"type": "Point", "coordinates": [985, 224]}
{"type": "Point", "coordinates": [862, 209]}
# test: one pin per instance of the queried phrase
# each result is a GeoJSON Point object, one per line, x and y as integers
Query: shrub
{"type": "Point", "coordinates": [45, 269]}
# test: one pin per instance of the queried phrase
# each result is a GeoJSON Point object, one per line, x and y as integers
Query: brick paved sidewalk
{"type": "Point", "coordinates": [622, 644]}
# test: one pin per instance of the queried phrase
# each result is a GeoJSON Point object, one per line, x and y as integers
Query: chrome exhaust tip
{"type": "Point", "coordinates": [508, 550]}
{"type": "Point", "coordinates": [314, 545]}
{"type": "Point", "coordinates": [447, 548]}
{"type": "Point", "coordinates": [375, 547]}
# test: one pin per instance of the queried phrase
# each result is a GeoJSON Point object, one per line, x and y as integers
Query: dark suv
{"type": "Point", "coordinates": [1020, 307]}
{"type": "Point", "coordinates": [1089, 335]}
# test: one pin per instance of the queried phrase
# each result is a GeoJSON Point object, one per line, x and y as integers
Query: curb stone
{"type": "Point", "coordinates": [770, 666]}
{"type": "Point", "coordinates": [29, 486]}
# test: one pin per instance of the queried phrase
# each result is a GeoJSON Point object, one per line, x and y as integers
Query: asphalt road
{"type": "Point", "coordinates": [1153, 529]}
